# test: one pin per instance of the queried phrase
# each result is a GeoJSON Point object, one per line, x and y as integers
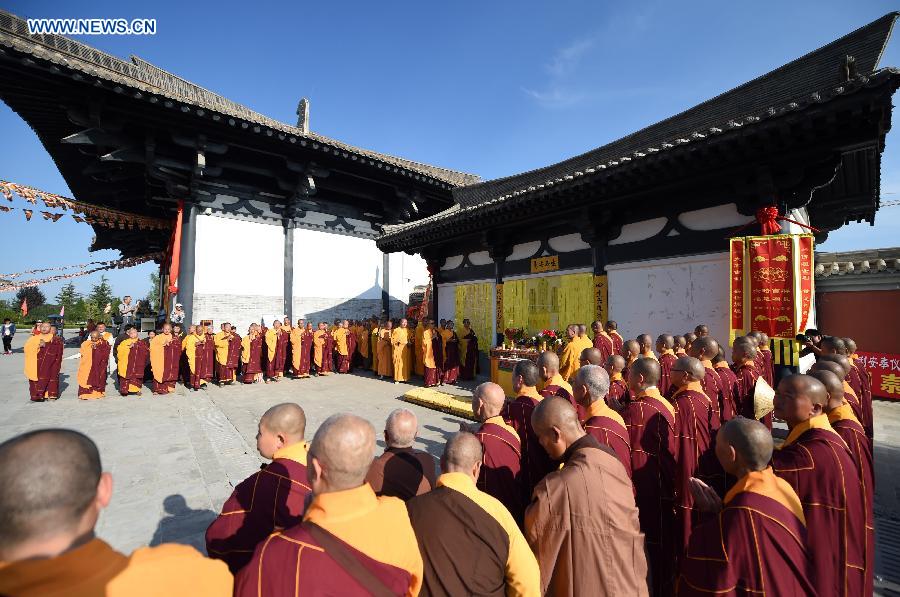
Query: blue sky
{"type": "Point", "coordinates": [492, 88]}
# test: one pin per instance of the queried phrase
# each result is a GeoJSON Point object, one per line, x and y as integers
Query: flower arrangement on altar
{"type": "Point", "coordinates": [548, 339]}
{"type": "Point", "coordinates": [516, 336]}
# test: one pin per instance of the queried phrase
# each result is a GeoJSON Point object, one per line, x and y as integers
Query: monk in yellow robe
{"type": "Point", "coordinates": [341, 336]}
{"type": "Point", "coordinates": [570, 357]}
{"type": "Point", "coordinates": [132, 356]}
{"type": "Point", "coordinates": [321, 360]}
{"type": "Point", "coordinates": [401, 342]}
{"type": "Point", "coordinates": [53, 490]}
{"type": "Point", "coordinates": [373, 339]}
{"type": "Point", "coordinates": [431, 373]}
{"type": "Point", "coordinates": [165, 360]}
{"type": "Point", "coordinates": [38, 365]}
{"type": "Point", "coordinates": [363, 336]}
{"type": "Point", "coordinates": [228, 354]}
{"type": "Point", "coordinates": [92, 367]}
{"type": "Point", "coordinates": [385, 350]}
{"type": "Point", "coordinates": [194, 346]}
{"type": "Point", "coordinates": [420, 350]}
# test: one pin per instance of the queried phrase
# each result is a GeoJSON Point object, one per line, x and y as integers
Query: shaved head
{"type": "Point", "coordinates": [592, 355]}
{"type": "Point", "coordinates": [616, 362]}
{"type": "Point", "coordinates": [548, 362]}
{"type": "Point", "coordinates": [286, 419]}
{"type": "Point", "coordinates": [834, 345]}
{"type": "Point", "coordinates": [704, 348]}
{"type": "Point", "coordinates": [631, 347]}
{"type": "Point", "coordinates": [690, 337]}
{"type": "Point", "coordinates": [648, 368]}
{"type": "Point", "coordinates": [343, 447]}
{"type": "Point", "coordinates": [747, 346]}
{"type": "Point", "coordinates": [701, 330]}
{"type": "Point", "coordinates": [595, 380]}
{"type": "Point", "coordinates": [840, 359]}
{"type": "Point", "coordinates": [488, 400]}
{"type": "Point", "coordinates": [833, 385]}
{"type": "Point", "coordinates": [48, 479]}
{"type": "Point", "coordinates": [400, 428]}
{"type": "Point", "coordinates": [645, 340]}
{"type": "Point", "coordinates": [680, 342]}
{"type": "Point", "coordinates": [528, 371]}
{"type": "Point", "coordinates": [830, 366]}
{"type": "Point", "coordinates": [691, 366]}
{"type": "Point", "coordinates": [808, 386]}
{"type": "Point", "coordinates": [665, 341]}
{"type": "Point", "coordinates": [751, 441]}
{"type": "Point", "coordinates": [851, 345]}
{"type": "Point", "coordinates": [461, 453]}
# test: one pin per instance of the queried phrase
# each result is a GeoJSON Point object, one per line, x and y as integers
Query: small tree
{"type": "Point", "coordinates": [101, 295]}
{"type": "Point", "coordinates": [68, 296]}
{"type": "Point", "coordinates": [151, 301]}
{"type": "Point", "coordinates": [34, 295]}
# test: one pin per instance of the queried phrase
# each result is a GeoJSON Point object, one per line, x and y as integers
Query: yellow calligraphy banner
{"type": "Point", "coordinates": [601, 298]}
{"type": "Point", "coordinates": [475, 302]}
{"type": "Point", "coordinates": [547, 302]}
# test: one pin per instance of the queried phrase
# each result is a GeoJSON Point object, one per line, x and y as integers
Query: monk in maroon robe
{"type": "Point", "coordinates": [328, 352]}
{"type": "Point", "coordinates": [617, 339]}
{"type": "Point", "coordinates": [865, 384]}
{"type": "Point", "coordinates": [695, 457]}
{"type": "Point", "coordinates": [133, 357]}
{"type": "Point", "coordinates": [845, 423]}
{"type": "Point", "coordinates": [268, 500]}
{"type": "Point", "coordinates": [665, 348]}
{"type": "Point", "coordinates": [228, 354]}
{"type": "Point", "coordinates": [39, 362]}
{"type": "Point", "coordinates": [535, 461]}
{"type": "Point", "coordinates": [469, 367]}
{"type": "Point", "coordinates": [450, 344]}
{"type": "Point", "coordinates": [590, 387]}
{"type": "Point", "coordinates": [618, 386]}
{"type": "Point", "coordinates": [818, 465]}
{"type": "Point", "coordinates": [768, 362]}
{"type": "Point", "coordinates": [501, 468]}
{"type": "Point", "coordinates": [276, 351]}
{"type": "Point", "coordinates": [351, 348]}
{"type": "Point", "coordinates": [650, 421]}
{"type": "Point", "coordinates": [304, 360]}
{"type": "Point", "coordinates": [841, 366]}
{"type": "Point", "coordinates": [836, 348]}
{"type": "Point", "coordinates": [93, 368]}
{"type": "Point", "coordinates": [602, 341]}
{"type": "Point", "coordinates": [208, 354]}
{"type": "Point", "coordinates": [252, 348]}
{"type": "Point", "coordinates": [755, 542]}
{"type": "Point", "coordinates": [165, 360]}
{"type": "Point", "coordinates": [54, 356]}
{"type": "Point", "coordinates": [704, 349]}
{"type": "Point", "coordinates": [743, 353]}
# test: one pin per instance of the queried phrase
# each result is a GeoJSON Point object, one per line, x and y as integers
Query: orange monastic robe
{"type": "Point", "coordinates": [420, 349]}
{"type": "Point", "coordinates": [92, 370]}
{"type": "Point", "coordinates": [402, 353]}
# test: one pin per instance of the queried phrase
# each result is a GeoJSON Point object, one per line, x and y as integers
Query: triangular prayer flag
{"type": "Point", "coordinates": [28, 213]}
{"type": "Point", "coordinates": [24, 307]}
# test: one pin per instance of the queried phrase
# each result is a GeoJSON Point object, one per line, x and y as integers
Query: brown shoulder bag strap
{"type": "Point", "coordinates": [335, 548]}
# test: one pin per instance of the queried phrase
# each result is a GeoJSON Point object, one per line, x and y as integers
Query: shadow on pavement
{"type": "Point", "coordinates": [183, 524]}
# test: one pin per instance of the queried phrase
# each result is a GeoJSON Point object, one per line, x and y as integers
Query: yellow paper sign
{"type": "Point", "coordinates": [550, 263]}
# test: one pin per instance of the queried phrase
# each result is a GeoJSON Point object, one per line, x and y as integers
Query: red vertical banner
{"type": "Point", "coordinates": [771, 270]}
{"type": "Point", "coordinates": [805, 275]}
{"type": "Point", "coordinates": [736, 293]}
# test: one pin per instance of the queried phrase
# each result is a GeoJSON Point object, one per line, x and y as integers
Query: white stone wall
{"type": "Point", "coordinates": [670, 295]}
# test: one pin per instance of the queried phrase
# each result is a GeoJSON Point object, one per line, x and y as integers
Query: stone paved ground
{"type": "Point", "coordinates": [175, 459]}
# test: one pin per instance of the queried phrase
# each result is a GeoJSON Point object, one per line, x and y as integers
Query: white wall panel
{"type": "Point", "coordinates": [335, 266]}
{"type": "Point", "coordinates": [670, 295]}
{"type": "Point", "coordinates": [406, 272]}
{"type": "Point", "coordinates": [238, 257]}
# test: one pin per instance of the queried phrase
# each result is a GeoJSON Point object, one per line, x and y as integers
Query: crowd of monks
{"type": "Point", "coordinates": [198, 356]}
{"type": "Point", "coordinates": [621, 467]}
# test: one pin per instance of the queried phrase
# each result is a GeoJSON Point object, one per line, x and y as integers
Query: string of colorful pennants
{"type": "Point", "coordinates": [82, 212]}
{"type": "Point", "coordinates": [7, 286]}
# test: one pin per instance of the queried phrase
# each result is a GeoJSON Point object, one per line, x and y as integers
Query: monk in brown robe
{"type": "Point", "coordinates": [845, 423]}
{"type": "Point", "coordinates": [840, 365]}
{"type": "Point", "coordinates": [430, 371]}
{"type": "Point", "coordinates": [562, 524]}
{"type": "Point", "coordinates": [743, 354]}
{"type": "Point", "coordinates": [402, 471]}
{"type": "Point", "coordinates": [38, 364]}
{"type": "Point", "coordinates": [650, 421]}
{"type": "Point", "coordinates": [320, 359]}
{"type": "Point", "coordinates": [602, 341]}
{"type": "Point", "coordinates": [276, 350]}
{"type": "Point", "coordinates": [818, 465]}
{"type": "Point", "coordinates": [228, 354]}
{"type": "Point", "coordinates": [53, 356]}
{"type": "Point", "coordinates": [194, 346]}
{"type": "Point", "coordinates": [612, 330]}
{"type": "Point", "coordinates": [704, 349]}
{"type": "Point", "coordinates": [680, 346]}
{"type": "Point", "coordinates": [645, 342]}
{"type": "Point", "coordinates": [133, 355]}
{"type": "Point", "coordinates": [768, 372]}
{"type": "Point", "coordinates": [757, 542]}
{"type": "Point", "coordinates": [760, 359]}
{"type": "Point", "coordinates": [693, 440]}
{"type": "Point", "coordinates": [401, 344]}
{"type": "Point", "coordinates": [340, 548]}
{"type": "Point", "coordinates": [835, 348]}
{"type": "Point", "coordinates": [468, 350]}
{"type": "Point", "coordinates": [302, 340]}
{"type": "Point", "coordinates": [469, 541]}
{"type": "Point", "coordinates": [554, 383]}
{"type": "Point", "coordinates": [535, 461]}
{"type": "Point", "coordinates": [363, 338]}
{"type": "Point", "coordinates": [52, 490]}
{"type": "Point", "coordinates": [727, 380]}
{"type": "Point", "coordinates": [865, 384]}
{"type": "Point", "coordinates": [618, 387]}
{"type": "Point", "coordinates": [373, 343]}
{"type": "Point", "coordinates": [385, 351]}
{"type": "Point", "coordinates": [341, 344]}
{"type": "Point", "coordinates": [92, 367]}
{"type": "Point", "coordinates": [501, 470]}
{"type": "Point", "coordinates": [689, 338]}
{"type": "Point", "coordinates": [590, 387]}
{"type": "Point", "coordinates": [631, 351]}
{"type": "Point", "coordinates": [665, 346]}
{"type": "Point", "coordinates": [450, 344]}
{"type": "Point", "coordinates": [269, 500]}
{"type": "Point", "coordinates": [251, 354]}
{"type": "Point", "coordinates": [165, 356]}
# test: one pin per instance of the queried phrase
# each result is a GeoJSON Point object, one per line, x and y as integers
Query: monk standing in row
{"type": "Point", "coordinates": [52, 490]}
{"type": "Point", "coordinates": [665, 346]}
{"type": "Point", "coordinates": [468, 352]}
{"type": "Point", "coordinates": [385, 350]}
{"type": "Point", "coordinates": [194, 347]}
{"type": "Point", "coordinates": [133, 355]}
{"type": "Point", "coordinates": [430, 371]}
{"type": "Point", "coordinates": [743, 353]}
{"type": "Point", "coordinates": [228, 354]}
{"type": "Point", "coordinates": [650, 421]}
{"type": "Point", "coordinates": [602, 341]}
{"type": "Point", "coordinates": [704, 349]}
{"type": "Point", "coordinates": [501, 469]}
{"type": "Point", "coordinates": [54, 355]}
{"type": "Point", "coordinates": [612, 330]}
{"type": "Point", "coordinates": [37, 364]}
{"type": "Point", "coordinates": [419, 348]}
{"type": "Point", "coordinates": [269, 500]}
{"type": "Point", "coordinates": [755, 540]}
{"type": "Point", "coordinates": [342, 346]}
{"type": "Point", "coordinates": [631, 351]}
{"type": "Point", "coordinates": [251, 355]}
{"type": "Point", "coordinates": [590, 386]}
{"type": "Point", "coordinates": [373, 343]}
{"type": "Point", "coordinates": [535, 461]}
{"type": "Point", "coordinates": [401, 343]}
{"type": "Point", "coordinates": [865, 395]}
{"type": "Point", "coordinates": [302, 349]}
{"type": "Point", "coordinates": [92, 367]}
{"type": "Point", "coordinates": [363, 338]}
{"type": "Point", "coordinates": [320, 359]}
{"type": "Point", "coordinates": [165, 359]}
{"type": "Point", "coordinates": [401, 471]}
{"type": "Point", "coordinates": [555, 384]}
{"type": "Point", "coordinates": [618, 385]}
{"type": "Point", "coordinates": [818, 465]}
{"type": "Point", "coordinates": [450, 344]}
{"type": "Point", "coordinates": [568, 358]}
{"type": "Point", "coordinates": [276, 350]}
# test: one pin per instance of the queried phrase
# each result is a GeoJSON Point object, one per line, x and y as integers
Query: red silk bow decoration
{"type": "Point", "coordinates": [768, 219]}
